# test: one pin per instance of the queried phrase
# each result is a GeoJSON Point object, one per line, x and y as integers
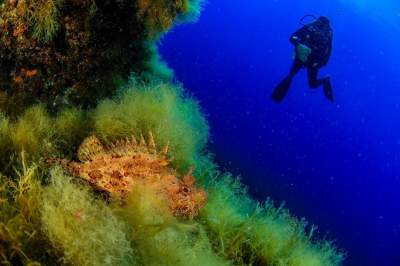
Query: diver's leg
{"type": "Point", "coordinates": [296, 66]}
{"type": "Point", "coordinates": [314, 83]}
{"type": "Point", "coordinates": [328, 89]}
{"type": "Point", "coordinates": [283, 87]}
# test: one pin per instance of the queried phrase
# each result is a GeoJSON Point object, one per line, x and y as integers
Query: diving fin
{"type": "Point", "coordinates": [328, 90]}
{"type": "Point", "coordinates": [281, 90]}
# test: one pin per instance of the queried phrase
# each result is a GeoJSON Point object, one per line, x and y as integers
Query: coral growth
{"type": "Point", "coordinates": [76, 52]}
{"type": "Point", "coordinates": [121, 166]}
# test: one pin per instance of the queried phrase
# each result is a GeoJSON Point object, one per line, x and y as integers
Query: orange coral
{"type": "Point", "coordinates": [18, 80]}
{"type": "Point", "coordinates": [23, 75]}
{"type": "Point", "coordinates": [31, 73]}
{"type": "Point", "coordinates": [117, 168]}
{"type": "Point", "coordinates": [19, 30]}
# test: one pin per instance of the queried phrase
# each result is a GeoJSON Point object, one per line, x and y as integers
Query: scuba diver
{"type": "Point", "coordinates": [313, 46]}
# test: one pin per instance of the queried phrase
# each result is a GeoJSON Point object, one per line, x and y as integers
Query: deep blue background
{"type": "Point", "coordinates": [338, 164]}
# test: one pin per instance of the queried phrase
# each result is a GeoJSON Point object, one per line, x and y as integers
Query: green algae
{"type": "Point", "coordinates": [50, 218]}
{"type": "Point", "coordinates": [161, 109]}
{"type": "Point", "coordinates": [251, 233]}
{"type": "Point", "coordinates": [22, 241]}
{"type": "Point", "coordinates": [160, 238]}
{"type": "Point", "coordinates": [84, 228]}
{"type": "Point", "coordinates": [232, 227]}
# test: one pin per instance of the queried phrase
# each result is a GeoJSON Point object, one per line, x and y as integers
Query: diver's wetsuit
{"type": "Point", "coordinates": [318, 37]}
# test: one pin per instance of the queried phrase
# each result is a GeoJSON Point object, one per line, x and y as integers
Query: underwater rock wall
{"type": "Point", "coordinates": [76, 188]}
{"type": "Point", "coordinates": [77, 51]}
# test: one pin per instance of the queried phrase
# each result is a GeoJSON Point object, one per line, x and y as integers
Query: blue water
{"type": "Point", "coordinates": [337, 164]}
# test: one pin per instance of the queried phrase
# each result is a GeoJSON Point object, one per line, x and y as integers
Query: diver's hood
{"type": "Point", "coordinates": [322, 20]}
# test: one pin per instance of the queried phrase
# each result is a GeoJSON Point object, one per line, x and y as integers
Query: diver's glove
{"type": "Point", "coordinates": [303, 52]}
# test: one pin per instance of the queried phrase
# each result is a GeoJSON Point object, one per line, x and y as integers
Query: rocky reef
{"type": "Point", "coordinates": [104, 158]}
{"type": "Point", "coordinates": [75, 52]}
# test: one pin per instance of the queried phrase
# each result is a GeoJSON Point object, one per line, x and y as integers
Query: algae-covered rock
{"type": "Point", "coordinates": [77, 51]}
{"type": "Point", "coordinates": [64, 57]}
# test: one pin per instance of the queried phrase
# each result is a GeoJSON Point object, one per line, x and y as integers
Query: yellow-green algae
{"type": "Point", "coordinates": [49, 218]}
{"type": "Point", "coordinates": [22, 241]}
{"type": "Point", "coordinates": [232, 228]}
{"type": "Point", "coordinates": [84, 228]}
{"type": "Point", "coordinates": [248, 232]}
{"type": "Point", "coordinates": [161, 108]}
{"type": "Point", "coordinates": [160, 238]}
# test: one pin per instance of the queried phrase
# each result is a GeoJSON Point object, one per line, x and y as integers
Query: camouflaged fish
{"type": "Point", "coordinates": [116, 168]}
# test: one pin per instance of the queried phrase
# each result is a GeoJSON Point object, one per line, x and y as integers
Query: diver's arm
{"type": "Point", "coordinates": [299, 36]}
{"type": "Point", "coordinates": [294, 40]}
{"type": "Point", "coordinates": [298, 39]}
